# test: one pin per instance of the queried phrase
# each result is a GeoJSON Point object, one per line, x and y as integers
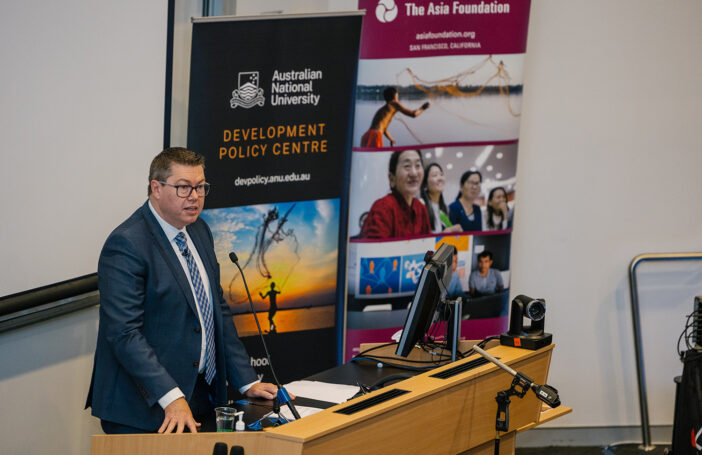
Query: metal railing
{"type": "Point", "coordinates": [633, 289]}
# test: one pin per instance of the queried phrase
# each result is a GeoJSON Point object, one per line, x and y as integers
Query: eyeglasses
{"type": "Point", "coordinates": [184, 191]}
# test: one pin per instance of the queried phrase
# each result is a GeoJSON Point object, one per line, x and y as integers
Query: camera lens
{"type": "Point", "coordinates": [536, 310]}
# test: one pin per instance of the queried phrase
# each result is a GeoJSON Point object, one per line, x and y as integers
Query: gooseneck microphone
{"type": "Point", "coordinates": [545, 392]}
{"type": "Point", "coordinates": [282, 393]}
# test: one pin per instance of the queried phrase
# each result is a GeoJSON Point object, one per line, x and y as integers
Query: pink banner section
{"type": "Point", "coordinates": [476, 329]}
{"type": "Point", "coordinates": [401, 29]}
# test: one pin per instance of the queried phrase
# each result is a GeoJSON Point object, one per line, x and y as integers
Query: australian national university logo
{"type": "Point", "coordinates": [248, 94]}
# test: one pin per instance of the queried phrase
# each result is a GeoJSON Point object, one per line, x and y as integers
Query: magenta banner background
{"type": "Point", "coordinates": [496, 33]}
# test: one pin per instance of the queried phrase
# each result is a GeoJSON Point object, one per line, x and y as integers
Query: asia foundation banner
{"type": "Point", "coordinates": [270, 108]}
{"type": "Point", "coordinates": [435, 144]}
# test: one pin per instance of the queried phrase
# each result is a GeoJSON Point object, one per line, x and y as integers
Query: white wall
{"type": "Point", "coordinates": [609, 167]}
{"type": "Point", "coordinates": [43, 385]}
{"type": "Point", "coordinates": [81, 116]}
{"type": "Point", "coordinates": [182, 40]}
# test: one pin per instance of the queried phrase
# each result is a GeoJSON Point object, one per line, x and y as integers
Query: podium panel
{"type": "Point", "coordinates": [448, 410]}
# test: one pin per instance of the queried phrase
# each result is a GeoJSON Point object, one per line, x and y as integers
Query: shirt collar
{"type": "Point", "coordinates": [168, 229]}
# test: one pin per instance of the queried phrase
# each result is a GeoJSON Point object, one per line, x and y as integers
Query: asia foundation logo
{"type": "Point", "coordinates": [248, 94]}
{"type": "Point", "coordinates": [386, 11]}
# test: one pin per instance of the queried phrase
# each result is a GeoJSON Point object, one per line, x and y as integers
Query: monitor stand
{"type": "Point", "coordinates": [453, 328]}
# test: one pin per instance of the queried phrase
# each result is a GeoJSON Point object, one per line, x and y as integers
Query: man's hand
{"type": "Point", "coordinates": [263, 390]}
{"type": "Point", "coordinates": [178, 416]}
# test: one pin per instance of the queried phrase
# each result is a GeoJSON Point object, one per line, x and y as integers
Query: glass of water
{"type": "Point", "coordinates": [225, 418]}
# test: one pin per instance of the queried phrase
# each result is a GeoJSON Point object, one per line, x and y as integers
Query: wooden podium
{"type": "Point", "coordinates": [448, 410]}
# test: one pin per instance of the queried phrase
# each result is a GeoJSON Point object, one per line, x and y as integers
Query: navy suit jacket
{"type": "Point", "coordinates": [149, 336]}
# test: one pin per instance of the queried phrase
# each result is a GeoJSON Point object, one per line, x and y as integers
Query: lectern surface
{"type": "Point", "coordinates": [438, 415]}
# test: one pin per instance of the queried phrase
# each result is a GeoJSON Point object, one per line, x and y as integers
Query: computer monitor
{"type": "Point", "coordinates": [431, 289]}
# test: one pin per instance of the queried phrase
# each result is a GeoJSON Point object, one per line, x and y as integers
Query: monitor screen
{"type": "Point", "coordinates": [431, 289]}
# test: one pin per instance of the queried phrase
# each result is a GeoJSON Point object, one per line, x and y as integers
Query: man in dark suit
{"type": "Point", "coordinates": [167, 347]}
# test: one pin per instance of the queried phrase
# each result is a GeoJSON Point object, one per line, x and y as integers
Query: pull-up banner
{"type": "Point", "coordinates": [434, 159]}
{"type": "Point", "coordinates": [271, 103]}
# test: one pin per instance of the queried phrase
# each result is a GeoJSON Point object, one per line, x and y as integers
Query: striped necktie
{"type": "Point", "coordinates": [204, 305]}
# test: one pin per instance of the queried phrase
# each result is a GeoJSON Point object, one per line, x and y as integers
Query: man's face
{"type": "Point", "coordinates": [484, 264]}
{"type": "Point", "coordinates": [408, 175]}
{"type": "Point", "coordinates": [179, 211]}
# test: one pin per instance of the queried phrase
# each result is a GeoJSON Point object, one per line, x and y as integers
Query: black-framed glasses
{"type": "Point", "coordinates": [184, 191]}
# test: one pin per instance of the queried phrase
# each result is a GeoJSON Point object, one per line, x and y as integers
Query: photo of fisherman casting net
{"type": "Point", "coordinates": [444, 100]}
{"type": "Point", "coordinates": [288, 253]}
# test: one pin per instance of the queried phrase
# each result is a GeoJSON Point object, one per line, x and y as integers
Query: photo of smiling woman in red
{"type": "Point", "coordinates": [400, 213]}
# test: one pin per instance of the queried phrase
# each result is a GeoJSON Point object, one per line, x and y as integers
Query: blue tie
{"type": "Point", "coordinates": [204, 305]}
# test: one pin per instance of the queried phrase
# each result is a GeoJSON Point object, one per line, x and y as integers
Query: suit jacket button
{"type": "Point", "coordinates": [197, 330]}
{"type": "Point", "coordinates": [196, 364]}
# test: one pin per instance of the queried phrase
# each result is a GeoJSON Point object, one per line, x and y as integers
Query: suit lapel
{"type": "Point", "coordinates": [169, 256]}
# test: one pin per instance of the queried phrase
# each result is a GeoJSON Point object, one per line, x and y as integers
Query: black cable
{"type": "Point", "coordinates": [443, 352]}
{"type": "Point", "coordinates": [397, 365]}
{"type": "Point", "coordinates": [429, 364]}
{"type": "Point", "coordinates": [687, 334]}
{"type": "Point", "coordinates": [382, 359]}
{"type": "Point", "coordinates": [374, 348]}
{"type": "Point", "coordinates": [363, 355]}
{"type": "Point", "coordinates": [480, 344]}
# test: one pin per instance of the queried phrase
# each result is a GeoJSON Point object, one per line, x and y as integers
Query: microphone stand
{"type": "Point", "coordinates": [520, 385]}
{"type": "Point", "coordinates": [282, 397]}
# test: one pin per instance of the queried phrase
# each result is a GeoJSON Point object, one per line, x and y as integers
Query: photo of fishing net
{"type": "Point", "coordinates": [291, 244]}
{"type": "Point", "coordinates": [270, 232]}
{"type": "Point", "coordinates": [471, 98]}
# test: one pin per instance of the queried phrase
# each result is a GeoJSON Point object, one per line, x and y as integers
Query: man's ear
{"type": "Point", "coordinates": [155, 189]}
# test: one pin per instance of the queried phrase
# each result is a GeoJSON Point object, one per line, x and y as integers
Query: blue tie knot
{"type": "Point", "coordinates": [182, 242]}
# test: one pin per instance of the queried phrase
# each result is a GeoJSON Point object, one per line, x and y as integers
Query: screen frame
{"type": "Point", "coordinates": [431, 290]}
